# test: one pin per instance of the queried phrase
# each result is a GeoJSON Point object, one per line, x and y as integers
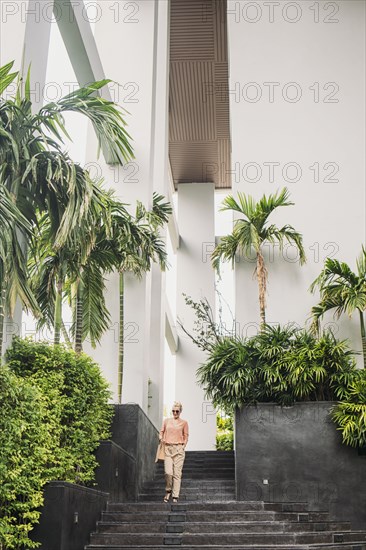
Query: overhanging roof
{"type": "Point", "coordinates": [199, 127]}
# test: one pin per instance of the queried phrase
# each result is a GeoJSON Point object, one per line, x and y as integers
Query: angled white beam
{"type": "Point", "coordinates": [171, 334]}
{"type": "Point", "coordinates": [172, 223]}
{"type": "Point", "coordinates": [79, 41]}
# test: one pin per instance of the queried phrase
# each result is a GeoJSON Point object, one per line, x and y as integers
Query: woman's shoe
{"type": "Point", "coordinates": [167, 496]}
{"type": "Point", "coordinates": [175, 499]}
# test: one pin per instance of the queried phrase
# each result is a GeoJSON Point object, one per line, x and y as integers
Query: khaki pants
{"type": "Point", "coordinates": [173, 465]}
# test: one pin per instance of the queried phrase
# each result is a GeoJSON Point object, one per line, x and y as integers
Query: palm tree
{"type": "Point", "coordinates": [39, 176]}
{"type": "Point", "coordinates": [252, 231]}
{"type": "Point", "coordinates": [90, 315]}
{"type": "Point", "coordinates": [57, 272]}
{"type": "Point", "coordinates": [12, 258]}
{"type": "Point", "coordinates": [343, 290]}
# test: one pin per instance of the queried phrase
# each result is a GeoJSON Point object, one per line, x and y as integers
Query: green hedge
{"type": "Point", "coordinates": [225, 433]}
{"type": "Point", "coordinates": [53, 414]}
{"type": "Point", "coordinates": [26, 449]}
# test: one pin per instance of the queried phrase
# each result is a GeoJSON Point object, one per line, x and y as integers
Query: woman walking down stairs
{"type": "Point", "coordinates": [208, 517]}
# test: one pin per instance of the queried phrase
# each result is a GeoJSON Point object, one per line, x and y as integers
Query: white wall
{"type": "Point", "coordinates": [328, 56]}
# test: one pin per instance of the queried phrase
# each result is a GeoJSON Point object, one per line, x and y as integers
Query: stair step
{"type": "Point", "coordinates": [208, 516]}
{"type": "Point", "coordinates": [223, 538]}
{"type": "Point", "coordinates": [235, 506]}
{"type": "Point", "coordinates": [345, 546]}
{"type": "Point", "coordinates": [212, 527]}
{"type": "Point", "coordinates": [190, 498]}
{"type": "Point", "coordinates": [190, 483]}
{"type": "Point", "coordinates": [211, 516]}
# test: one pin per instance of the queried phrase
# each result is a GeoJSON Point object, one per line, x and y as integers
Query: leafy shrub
{"type": "Point", "coordinates": [76, 396]}
{"type": "Point", "coordinates": [280, 365]}
{"type": "Point", "coordinates": [26, 449]}
{"type": "Point", "coordinates": [350, 414]}
{"type": "Point", "coordinates": [225, 442]}
{"type": "Point", "coordinates": [224, 423]}
{"type": "Point", "coordinates": [225, 433]}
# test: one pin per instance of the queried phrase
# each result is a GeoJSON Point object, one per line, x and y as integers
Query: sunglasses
{"type": "Point", "coordinates": [175, 410]}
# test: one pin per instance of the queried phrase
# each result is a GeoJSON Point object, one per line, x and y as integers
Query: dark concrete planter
{"type": "Point", "coordinates": [134, 432]}
{"type": "Point", "coordinates": [295, 454]}
{"type": "Point", "coordinates": [116, 473]}
{"type": "Point", "coordinates": [69, 514]}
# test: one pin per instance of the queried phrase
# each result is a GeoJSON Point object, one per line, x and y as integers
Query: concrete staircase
{"type": "Point", "coordinates": [208, 516]}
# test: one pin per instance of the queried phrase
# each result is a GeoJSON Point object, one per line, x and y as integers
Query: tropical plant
{"type": "Point", "coordinates": [251, 232]}
{"type": "Point", "coordinates": [12, 258]}
{"type": "Point", "coordinates": [280, 364]}
{"type": "Point", "coordinates": [112, 240]}
{"type": "Point", "coordinates": [343, 290]}
{"type": "Point", "coordinates": [350, 414]}
{"type": "Point", "coordinates": [62, 271]}
{"type": "Point", "coordinates": [39, 176]}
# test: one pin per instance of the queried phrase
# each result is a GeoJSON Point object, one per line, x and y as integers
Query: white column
{"type": "Point", "coordinates": [196, 278]}
{"type": "Point", "coordinates": [298, 120]}
{"type": "Point", "coordinates": [160, 185]}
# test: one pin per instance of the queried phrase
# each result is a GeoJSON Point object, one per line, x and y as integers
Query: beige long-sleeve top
{"type": "Point", "coordinates": [174, 432]}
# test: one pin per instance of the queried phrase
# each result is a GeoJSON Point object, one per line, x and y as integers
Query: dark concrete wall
{"type": "Point", "coordinates": [135, 433]}
{"type": "Point", "coordinates": [116, 472]}
{"type": "Point", "coordinates": [57, 529]}
{"type": "Point", "coordinates": [300, 452]}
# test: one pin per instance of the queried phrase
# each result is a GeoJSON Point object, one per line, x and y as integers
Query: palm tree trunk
{"type": "Point", "coordinates": [262, 285]}
{"type": "Point", "coordinates": [2, 316]}
{"type": "Point", "coordinates": [79, 318]}
{"type": "Point", "coordinates": [66, 335]}
{"type": "Point", "coordinates": [363, 338]}
{"type": "Point", "coordinates": [58, 311]}
{"type": "Point", "coordinates": [121, 336]}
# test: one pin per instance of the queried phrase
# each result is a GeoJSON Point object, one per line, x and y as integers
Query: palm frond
{"type": "Point", "coordinates": [107, 120]}
{"type": "Point", "coordinates": [245, 206]}
{"type": "Point", "coordinates": [95, 315]}
{"type": "Point", "coordinates": [287, 233]}
{"type": "Point", "coordinates": [6, 77]}
{"type": "Point", "coordinates": [361, 264]}
{"type": "Point", "coordinates": [225, 251]}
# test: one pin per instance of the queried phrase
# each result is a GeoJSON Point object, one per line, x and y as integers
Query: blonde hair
{"type": "Point", "coordinates": [178, 404]}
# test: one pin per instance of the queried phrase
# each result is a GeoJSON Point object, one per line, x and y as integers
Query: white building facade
{"type": "Point", "coordinates": [222, 97]}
